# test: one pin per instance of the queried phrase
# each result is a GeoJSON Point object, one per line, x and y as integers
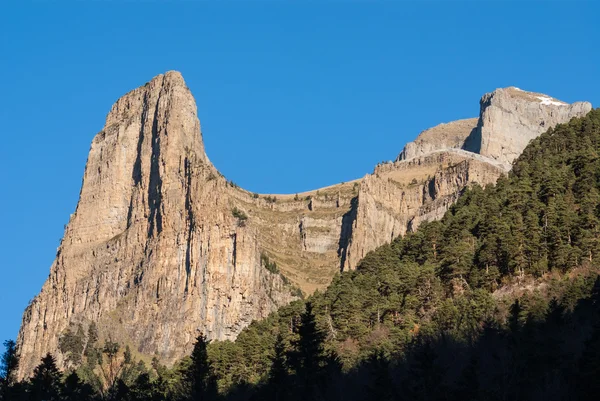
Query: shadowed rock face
{"type": "Point", "coordinates": [161, 246]}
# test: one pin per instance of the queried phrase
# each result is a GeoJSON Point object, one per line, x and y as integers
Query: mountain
{"type": "Point", "coordinates": [500, 299]}
{"type": "Point", "coordinates": [162, 246]}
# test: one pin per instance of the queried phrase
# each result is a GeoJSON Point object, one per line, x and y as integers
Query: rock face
{"type": "Point", "coordinates": [153, 253]}
{"type": "Point", "coordinates": [162, 246]}
{"type": "Point", "coordinates": [511, 117]}
{"type": "Point", "coordinates": [398, 196]}
{"type": "Point", "coordinates": [441, 137]}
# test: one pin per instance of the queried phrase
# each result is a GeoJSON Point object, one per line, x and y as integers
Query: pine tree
{"type": "Point", "coordinates": [424, 379]}
{"type": "Point", "coordinates": [76, 390]}
{"type": "Point", "coordinates": [143, 389]}
{"type": "Point", "coordinates": [516, 318]}
{"type": "Point", "coordinates": [199, 375]}
{"type": "Point", "coordinates": [278, 375]}
{"type": "Point", "coordinates": [112, 367]}
{"type": "Point", "coordinates": [8, 370]}
{"type": "Point", "coordinates": [468, 387]}
{"type": "Point", "coordinates": [9, 363]}
{"type": "Point", "coordinates": [307, 357]}
{"type": "Point", "coordinates": [46, 381]}
{"type": "Point", "coordinates": [589, 367]}
{"type": "Point", "coordinates": [381, 387]}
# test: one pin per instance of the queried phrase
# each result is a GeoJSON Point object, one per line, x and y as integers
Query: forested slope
{"type": "Point", "coordinates": [533, 236]}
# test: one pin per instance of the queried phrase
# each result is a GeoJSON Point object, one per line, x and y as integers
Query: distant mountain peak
{"type": "Point", "coordinates": [508, 119]}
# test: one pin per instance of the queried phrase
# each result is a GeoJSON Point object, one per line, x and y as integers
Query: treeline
{"type": "Point", "coordinates": [556, 357]}
{"type": "Point", "coordinates": [116, 377]}
{"type": "Point", "coordinates": [500, 300]}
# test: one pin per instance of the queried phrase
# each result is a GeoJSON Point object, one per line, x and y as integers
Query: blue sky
{"type": "Point", "coordinates": [291, 95]}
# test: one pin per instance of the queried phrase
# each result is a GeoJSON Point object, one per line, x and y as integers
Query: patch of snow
{"type": "Point", "coordinates": [547, 101]}
{"type": "Point", "coordinates": [517, 89]}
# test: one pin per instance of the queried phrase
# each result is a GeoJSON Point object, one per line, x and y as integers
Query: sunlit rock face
{"type": "Point", "coordinates": [162, 247]}
{"type": "Point", "coordinates": [430, 172]}
{"type": "Point", "coordinates": [153, 253]}
{"type": "Point", "coordinates": [510, 118]}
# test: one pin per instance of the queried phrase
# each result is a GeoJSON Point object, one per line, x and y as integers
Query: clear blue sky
{"type": "Point", "coordinates": [291, 96]}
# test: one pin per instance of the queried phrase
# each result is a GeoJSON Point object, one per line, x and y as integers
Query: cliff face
{"type": "Point", "coordinates": [510, 118]}
{"type": "Point", "coordinates": [162, 247]}
{"type": "Point", "coordinates": [153, 252]}
{"type": "Point", "coordinates": [430, 172]}
{"type": "Point", "coordinates": [398, 196]}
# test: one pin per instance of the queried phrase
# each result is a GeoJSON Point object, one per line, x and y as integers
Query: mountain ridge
{"type": "Point", "coordinates": [161, 245]}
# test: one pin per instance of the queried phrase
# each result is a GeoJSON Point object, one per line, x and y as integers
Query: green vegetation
{"type": "Point", "coordinates": [270, 266]}
{"type": "Point", "coordinates": [500, 300]}
{"type": "Point", "coordinates": [240, 215]}
{"type": "Point", "coordinates": [71, 345]}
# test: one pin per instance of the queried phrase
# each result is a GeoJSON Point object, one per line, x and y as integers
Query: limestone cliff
{"type": "Point", "coordinates": [451, 135]}
{"type": "Point", "coordinates": [162, 246]}
{"type": "Point", "coordinates": [510, 118]}
{"type": "Point", "coordinates": [430, 172]}
{"type": "Point", "coordinates": [398, 196]}
{"type": "Point", "coordinates": [153, 252]}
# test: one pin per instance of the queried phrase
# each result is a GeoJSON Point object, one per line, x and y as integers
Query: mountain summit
{"type": "Point", "coordinates": [162, 246]}
{"type": "Point", "coordinates": [508, 119]}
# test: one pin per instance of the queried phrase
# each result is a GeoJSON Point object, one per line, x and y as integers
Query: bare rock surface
{"type": "Point", "coordinates": [162, 246]}
{"type": "Point", "coordinates": [153, 253]}
{"type": "Point", "coordinates": [450, 135]}
{"type": "Point", "coordinates": [510, 118]}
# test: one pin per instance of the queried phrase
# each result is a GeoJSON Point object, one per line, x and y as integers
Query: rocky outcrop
{"type": "Point", "coordinates": [162, 246]}
{"type": "Point", "coordinates": [399, 196]}
{"type": "Point", "coordinates": [153, 253]}
{"type": "Point", "coordinates": [510, 118]}
{"type": "Point", "coordinates": [451, 135]}
{"type": "Point", "coordinates": [430, 172]}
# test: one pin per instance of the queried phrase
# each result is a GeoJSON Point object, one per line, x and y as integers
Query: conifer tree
{"type": "Point", "coordinates": [425, 377]}
{"type": "Point", "coordinates": [589, 367]}
{"type": "Point", "coordinates": [8, 370]}
{"type": "Point", "coordinates": [381, 386]}
{"type": "Point", "coordinates": [76, 390]}
{"type": "Point", "coordinates": [46, 381]}
{"type": "Point", "coordinates": [307, 357]}
{"type": "Point", "coordinates": [199, 375]}
{"type": "Point", "coordinates": [278, 375]}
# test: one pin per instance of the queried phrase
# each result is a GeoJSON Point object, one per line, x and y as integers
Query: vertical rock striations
{"type": "Point", "coordinates": [153, 253]}
{"type": "Point", "coordinates": [161, 246]}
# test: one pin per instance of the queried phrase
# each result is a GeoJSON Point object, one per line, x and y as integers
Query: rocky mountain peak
{"type": "Point", "coordinates": [166, 96]}
{"type": "Point", "coordinates": [508, 119]}
{"type": "Point", "coordinates": [153, 253]}
{"type": "Point", "coordinates": [444, 136]}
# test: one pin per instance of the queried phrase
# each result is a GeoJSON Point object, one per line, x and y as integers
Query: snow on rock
{"type": "Point", "coordinates": [547, 101]}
